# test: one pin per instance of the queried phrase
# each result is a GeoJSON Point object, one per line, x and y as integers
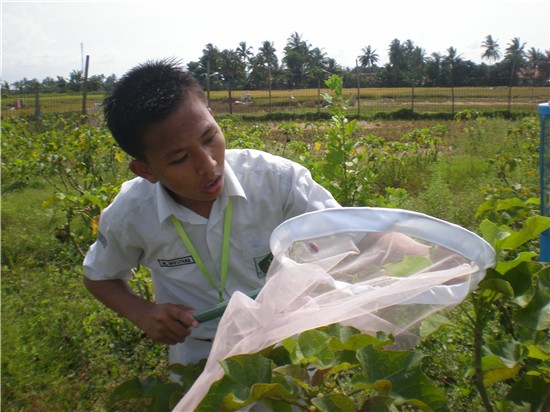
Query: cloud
{"type": "Point", "coordinates": [28, 47]}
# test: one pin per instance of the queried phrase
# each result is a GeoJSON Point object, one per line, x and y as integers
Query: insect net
{"type": "Point", "coordinates": [371, 268]}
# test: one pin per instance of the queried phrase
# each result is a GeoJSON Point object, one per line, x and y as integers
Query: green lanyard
{"type": "Point", "coordinates": [228, 217]}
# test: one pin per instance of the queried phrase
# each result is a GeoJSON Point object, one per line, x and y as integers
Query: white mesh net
{"type": "Point", "coordinates": [371, 268]}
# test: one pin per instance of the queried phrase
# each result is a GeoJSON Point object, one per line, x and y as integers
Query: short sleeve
{"type": "Point", "coordinates": [111, 256]}
{"type": "Point", "coordinates": [305, 194]}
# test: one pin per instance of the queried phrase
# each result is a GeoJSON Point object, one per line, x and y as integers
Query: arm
{"type": "Point", "coordinates": [161, 322]}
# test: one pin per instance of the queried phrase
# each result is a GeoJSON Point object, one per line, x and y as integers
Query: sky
{"type": "Point", "coordinates": [46, 38]}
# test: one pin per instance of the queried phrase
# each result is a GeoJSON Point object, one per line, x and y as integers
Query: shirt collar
{"type": "Point", "coordinates": [167, 206]}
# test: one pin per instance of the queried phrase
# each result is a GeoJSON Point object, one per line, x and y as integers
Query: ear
{"type": "Point", "coordinates": [140, 168]}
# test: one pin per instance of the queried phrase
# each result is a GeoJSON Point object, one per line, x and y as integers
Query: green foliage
{"type": "Point", "coordinates": [80, 163]}
{"type": "Point", "coordinates": [63, 351]}
{"type": "Point", "coordinates": [327, 369]}
{"type": "Point", "coordinates": [338, 157]}
{"type": "Point", "coordinates": [367, 170]}
{"type": "Point", "coordinates": [517, 292]}
{"type": "Point", "coordinates": [252, 137]}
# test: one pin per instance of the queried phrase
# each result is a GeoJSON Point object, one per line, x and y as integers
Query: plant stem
{"type": "Point", "coordinates": [480, 322]}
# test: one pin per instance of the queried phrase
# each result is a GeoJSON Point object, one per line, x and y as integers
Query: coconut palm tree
{"type": "Point", "coordinates": [209, 61]}
{"type": "Point", "coordinates": [231, 70]}
{"type": "Point", "coordinates": [244, 52]}
{"type": "Point", "coordinates": [266, 59]}
{"type": "Point", "coordinates": [545, 67]}
{"type": "Point", "coordinates": [433, 68]}
{"type": "Point", "coordinates": [369, 58]}
{"type": "Point", "coordinates": [535, 63]}
{"type": "Point", "coordinates": [297, 59]}
{"type": "Point", "coordinates": [515, 55]}
{"type": "Point", "coordinates": [413, 69]}
{"type": "Point", "coordinates": [396, 55]}
{"type": "Point", "coordinates": [492, 49]}
{"type": "Point", "coordinates": [451, 61]}
{"type": "Point", "coordinates": [317, 67]}
{"type": "Point", "coordinates": [267, 51]}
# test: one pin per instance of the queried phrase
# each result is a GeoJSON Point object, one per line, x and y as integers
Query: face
{"type": "Point", "coordinates": [186, 153]}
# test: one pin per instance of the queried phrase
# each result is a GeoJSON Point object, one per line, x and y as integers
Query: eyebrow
{"type": "Point", "coordinates": [173, 153]}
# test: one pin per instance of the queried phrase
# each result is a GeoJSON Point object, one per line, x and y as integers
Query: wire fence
{"type": "Point", "coordinates": [365, 102]}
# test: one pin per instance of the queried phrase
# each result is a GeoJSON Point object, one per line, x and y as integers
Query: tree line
{"type": "Point", "coordinates": [305, 66]}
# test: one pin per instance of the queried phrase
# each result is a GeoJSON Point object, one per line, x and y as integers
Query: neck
{"type": "Point", "coordinates": [200, 207]}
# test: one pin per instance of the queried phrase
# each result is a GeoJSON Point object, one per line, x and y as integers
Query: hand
{"type": "Point", "coordinates": [168, 323]}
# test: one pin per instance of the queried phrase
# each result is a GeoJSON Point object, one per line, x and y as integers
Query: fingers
{"type": "Point", "coordinates": [170, 323]}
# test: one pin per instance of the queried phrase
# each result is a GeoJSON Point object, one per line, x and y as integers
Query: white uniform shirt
{"type": "Point", "coordinates": [136, 229]}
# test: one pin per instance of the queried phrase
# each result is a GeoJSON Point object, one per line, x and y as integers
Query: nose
{"type": "Point", "coordinates": [205, 162]}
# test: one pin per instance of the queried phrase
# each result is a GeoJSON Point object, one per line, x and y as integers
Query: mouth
{"type": "Point", "coordinates": [213, 186]}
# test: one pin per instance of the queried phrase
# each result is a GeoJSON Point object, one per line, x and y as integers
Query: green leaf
{"type": "Point", "coordinates": [432, 324]}
{"type": "Point", "coordinates": [402, 369]}
{"type": "Point", "coordinates": [343, 333]}
{"type": "Point", "coordinates": [215, 396]}
{"type": "Point", "coordinates": [500, 374]}
{"type": "Point", "coordinates": [377, 404]}
{"type": "Point", "coordinates": [489, 362]}
{"type": "Point", "coordinates": [536, 352]}
{"type": "Point", "coordinates": [188, 373]}
{"type": "Point", "coordinates": [295, 372]}
{"type": "Point", "coordinates": [408, 266]}
{"type": "Point", "coordinates": [505, 266]}
{"type": "Point", "coordinates": [380, 364]}
{"type": "Point", "coordinates": [131, 389]}
{"type": "Point", "coordinates": [508, 352]}
{"type": "Point", "coordinates": [279, 355]}
{"type": "Point", "coordinates": [506, 204]}
{"type": "Point", "coordinates": [248, 370]}
{"type": "Point", "coordinates": [383, 387]}
{"type": "Point", "coordinates": [534, 390]}
{"type": "Point", "coordinates": [334, 402]}
{"type": "Point", "coordinates": [520, 279]}
{"type": "Point", "coordinates": [532, 228]}
{"type": "Point", "coordinates": [163, 394]}
{"type": "Point", "coordinates": [497, 285]}
{"type": "Point", "coordinates": [315, 347]}
{"type": "Point", "coordinates": [493, 234]}
{"type": "Point", "coordinates": [95, 200]}
{"type": "Point", "coordinates": [536, 315]}
{"type": "Point", "coordinates": [257, 393]}
{"type": "Point", "coordinates": [360, 341]}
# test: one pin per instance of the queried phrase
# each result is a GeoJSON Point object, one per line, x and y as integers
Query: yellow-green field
{"type": "Point", "coordinates": [372, 100]}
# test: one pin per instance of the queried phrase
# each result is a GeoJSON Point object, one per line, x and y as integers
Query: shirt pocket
{"type": "Point", "coordinates": [256, 261]}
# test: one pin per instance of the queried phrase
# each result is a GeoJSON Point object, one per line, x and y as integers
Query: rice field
{"type": "Point", "coordinates": [370, 101]}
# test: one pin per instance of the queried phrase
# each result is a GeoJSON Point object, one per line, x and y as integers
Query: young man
{"type": "Point", "coordinates": [198, 215]}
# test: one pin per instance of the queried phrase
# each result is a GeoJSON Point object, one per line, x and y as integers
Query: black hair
{"type": "Point", "coordinates": [146, 95]}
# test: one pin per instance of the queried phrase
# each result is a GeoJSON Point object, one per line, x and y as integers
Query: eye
{"type": "Point", "coordinates": [180, 159]}
{"type": "Point", "coordinates": [211, 139]}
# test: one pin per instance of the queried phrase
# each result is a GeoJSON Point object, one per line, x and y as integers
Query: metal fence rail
{"type": "Point", "coordinates": [364, 102]}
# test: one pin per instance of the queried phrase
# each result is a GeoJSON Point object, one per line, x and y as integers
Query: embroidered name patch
{"type": "Point", "coordinates": [262, 264]}
{"type": "Point", "coordinates": [102, 239]}
{"type": "Point", "coordinates": [181, 261]}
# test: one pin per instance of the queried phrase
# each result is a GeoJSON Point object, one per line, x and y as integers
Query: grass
{"type": "Point", "coordinates": [62, 351]}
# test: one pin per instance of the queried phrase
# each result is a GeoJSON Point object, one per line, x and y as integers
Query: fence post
{"type": "Point", "coordinates": [319, 94]}
{"type": "Point", "coordinates": [229, 97]}
{"type": "Point", "coordinates": [358, 89]}
{"type": "Point", "coordinates": [85, 86]}
{"type": "Point", "coordinates": [37, 113]}
{"type": "Point", "coordinates": [208, 82]}
{"type": "Point", "coordinates": [269, 71]}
